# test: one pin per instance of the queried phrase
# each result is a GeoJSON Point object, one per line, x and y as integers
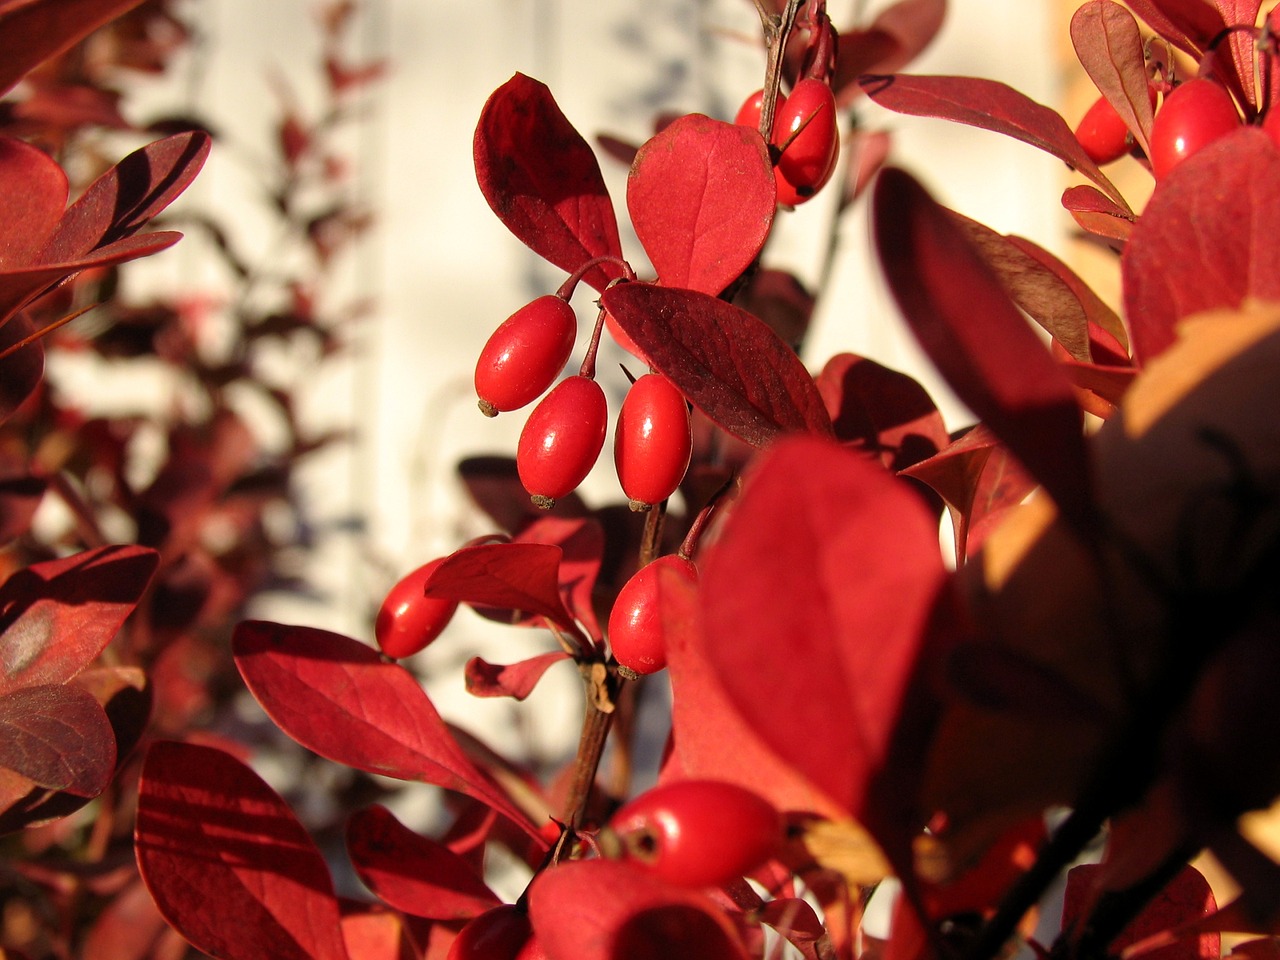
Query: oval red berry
{"type": "Point", "coordinates": [562, 440]}
{"type": "Point", "coordinates": [697, 833]}
{"type": "Point", "coordinates": [749, 113]}
{"type": "Point", "coordinates": [1192, 116]}
{"type": "Point", "coordinates": [653, 441]}
{"type": "Point", "coordinates": [408, 620]}
{"type": "Point", "coordinates": [807, 137]}
{"type": "Point", "coordinates": [525, 354]}
{"type": "Point", "coordinates": [503, 933]}
{"type": "Point", "coordinates": [637, 636]}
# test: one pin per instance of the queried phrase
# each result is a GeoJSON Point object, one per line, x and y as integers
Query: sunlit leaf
{"type": "Point", "coordinates": [57, 736]}
{"type": "Point", "coordinates": [515, 680]}
{"type": "Point", "coordinates": [1109, 46]}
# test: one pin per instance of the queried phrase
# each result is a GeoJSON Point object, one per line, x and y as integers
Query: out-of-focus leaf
{"type": "Point", "coordinates": [702, 197]}
{"type": "Point", "coordinates": [894, 38]}
{"type": "Point", "coordinates": [19, 498]}
{"type": "Point", "coordinates": [728, 363]}
{"type": "Point", "coordinates": [33, 197]}
{"type": "Point", "coordinates": [339, 698]}
{"type": "Point", "coordinates": [412, 873]}
{"type": "Point", "coordinates": [34, 31]}
{"type": "Point", "coordinates": [602, 910]}
{"type": "Point", "coordinates": [1187, 24]}
{"type": "Point", "coordinates": [228, 863]}
{"type": "Point", "coordinates": [1209, 237]}
{"type": "Point", "coordinates": [516, 680]}
{"type": "Point", "coordinates": [1109, 45]}
{"type": "Point", "coordinates": [880, 411]}
{"type": "Point", "coordinates": [542, 180]}
{"type": "Point", "coordinates": [990, 105]}
{"type": "Point", "coordinates": [1096, 213]}
{"type": "Point", "coordinates": [22, 370]}
{"type": "Point", "coordinates": [976, 337]}
{"type": "Point", "coordinates": [788, 582]}
{"type": "Point", "coordinates": [55, 617]}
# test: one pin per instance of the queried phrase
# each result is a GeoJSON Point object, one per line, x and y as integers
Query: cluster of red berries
{"type": "Point", "coordinates": [1192, 115]}
{"type": "Point", "coordinates": [565, 433]}
{"type": "Point", "coordinates": [805, 138]}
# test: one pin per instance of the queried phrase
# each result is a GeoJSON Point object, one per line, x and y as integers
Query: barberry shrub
{"type": "Point", "coordinates": [1101, 638]}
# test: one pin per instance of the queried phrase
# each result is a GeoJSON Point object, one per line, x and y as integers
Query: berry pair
{"type": "Point", "coordinates": [805, 137]}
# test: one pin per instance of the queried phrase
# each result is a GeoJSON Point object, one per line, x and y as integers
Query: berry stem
{"type": "Point", "coordinates": [600, 686]}
{"type": "Point", "coordinates": [777, 27]}
{"type": "Point", "coordinates": [571, 283]}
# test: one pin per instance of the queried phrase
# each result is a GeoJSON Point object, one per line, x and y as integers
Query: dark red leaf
{"type": "Point", "coordinates": [33, 195]}
{"type": "Point", "coordinates": [1209, 237]}
{"type": "Point", "coordinates": [1109, 45]}
{"type": "Point", "coordinates": [22, 370]}
{"type": "Point", "coordinates": [493, 483]}
{"type": "Point", "coordinates": [1241, 42]}
{"type": "Point", "coordinates": [702, 197]}
{"type": "Point", "coordinates": [122, 200]}
{"type": "Point", "coordinates": [880, 411]}
{"type": "Point", "coordinates": [1097, 213]}
{"type": "Point", "coordinates": [1184, 900]}
{"type": "Point", "coordinates": [1108, 382]}
{"type": "Point", "coordinates": [604, 910]}
{"type": "Point", "coordinates": [895, 37]}
{"type": "Point", "coordinates": [990, 105]}
{"type": "Point", "coordinates": [19, 498]}
{"type": "Point", "coordinates": [581, 542]}
{"type": "Point", "coordinates": [509, 576]}
{"type": "Point", "coordinates": [1187, 24]}
{"type": "Point", "coordinates": [542, 180]}
{"type": "Point", "coordinates": [727, 362]}
{"type": "Point", "coordinates": [57, 737]}
{"type": "Point", "coordinates": [788, 583]}
{"type": "Point", "coordinates": [516, 680]}
{"type": "Point", "coordinates": [32, 32]}
{"type": "Point", "coordinates": [412, 873]}
{"type": "Point", "coordinates": [57, 616]}
{"type": "Point", "coordinates": [340, 699]}
{"type": "Point", "coordinates": [976, 337]}
{"type": "Point", "coordinates": [227, 862]}
{"type": "Point", "coordinates": [954, 474]}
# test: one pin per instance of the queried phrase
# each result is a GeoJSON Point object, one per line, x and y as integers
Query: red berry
{"type": "Point", "coordinates": [749, 113]}
{"type": "Point", "coordinates": [1103, 134]}
{"type": "Point", "coordinates": [407, 620]}
{"type": "Point", "coordinates": [1271, 125]}
{"type": "Point", "coordinates": [1192, 116]}
{"type": "Point", "coordinates": [805, 132]}
{"type": "Point", "coordinates": [525, 355]}
{"type": "Point", "coordinates": [653, 441]}
{"type": "Point", "coordinates": [562, 439]}
{"type": "Point", "coordinates": [503, 933]}
{"type": "Point", "coordinates": [636, 633]}
{"type": "Point", "coordinates": [696, 833]}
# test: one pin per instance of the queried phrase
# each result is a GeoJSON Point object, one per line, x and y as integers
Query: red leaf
{"type": "Point", "coordinates": [122, 200]}
{"type": "Point", "coordinates": [57, 616]}
{"type": "Point", "coordinates": [880, 411]}
{"type": "Point", "coordinates": [895, 37]}
{"type": "Point", "coordinates": [1209, 237]}
{"type": "Point", "coordinates": [33, 196]}
{"type": "Point", "coordinates": [727, 362]}
{"type": "Point", "coordinates": [1242, 42]}
{"type": "Point", "coordinates": [542, 180]}
{"type": "Point", "coordinates": [19, 498]}
{"type": "Point", "coordinates": [979, 341]}
{"type": "Point", "coordinates": [807, 635]}
{"type": "Point", "coordinates": [581, 541]}
{"type": "Point", "coordinates": [57, 737]}
{"type": "Point", "coordinates": [412, 873]}
{"type": "Point", "coordinates": [1184, 900]}
{"type": "Point", "coordinates": [340, 699]}
{"type": "Point", "coordinates": [510, 576]}
{"type": "Point", "coordinates": [1188, 24]}
{"type": "Point", "coordinates": [604, 910]}
{"type": "Point", "coordinates": [22, 370]}
{"type": "Point", "coordinates": [516, 680]}
{"type": "Point", "coordinates": [227, 862]}
{"type": "Point", "coordinates": [990, 105]}
{"type": "Point", "coordinates": [1109, 46]}
{"type": "Point", "coordinates": [702, 197]}
{"type": "Point", "coordinates": [32, 32]}
{"type": "Point", "coordinates": [1097, 213]}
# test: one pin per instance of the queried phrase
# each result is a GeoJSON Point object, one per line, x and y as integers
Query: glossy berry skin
{"type": "Point", "coordinates": [525, 355]}
{"type": "Point", "coordinates": [1103, 133]}
{"type": "Point", "coordinates": [749, 113]}
{"type": "Point", "coordinates": [1192, 116]}
{"type": "Point", "coordinates": [407, 621]}
{"type": "Point", "coordinates": [636, 634]}
{"type": "Point", "coordinates": [562, 439]}
{"type": "Point", "coordinates": [653, 441]}
{"type": "Point", "coordinates": [807, 137]}
{"type": "Point", "coordinates": [503, 933]}
{"type": "Point", "coordinates": [696, 833]}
